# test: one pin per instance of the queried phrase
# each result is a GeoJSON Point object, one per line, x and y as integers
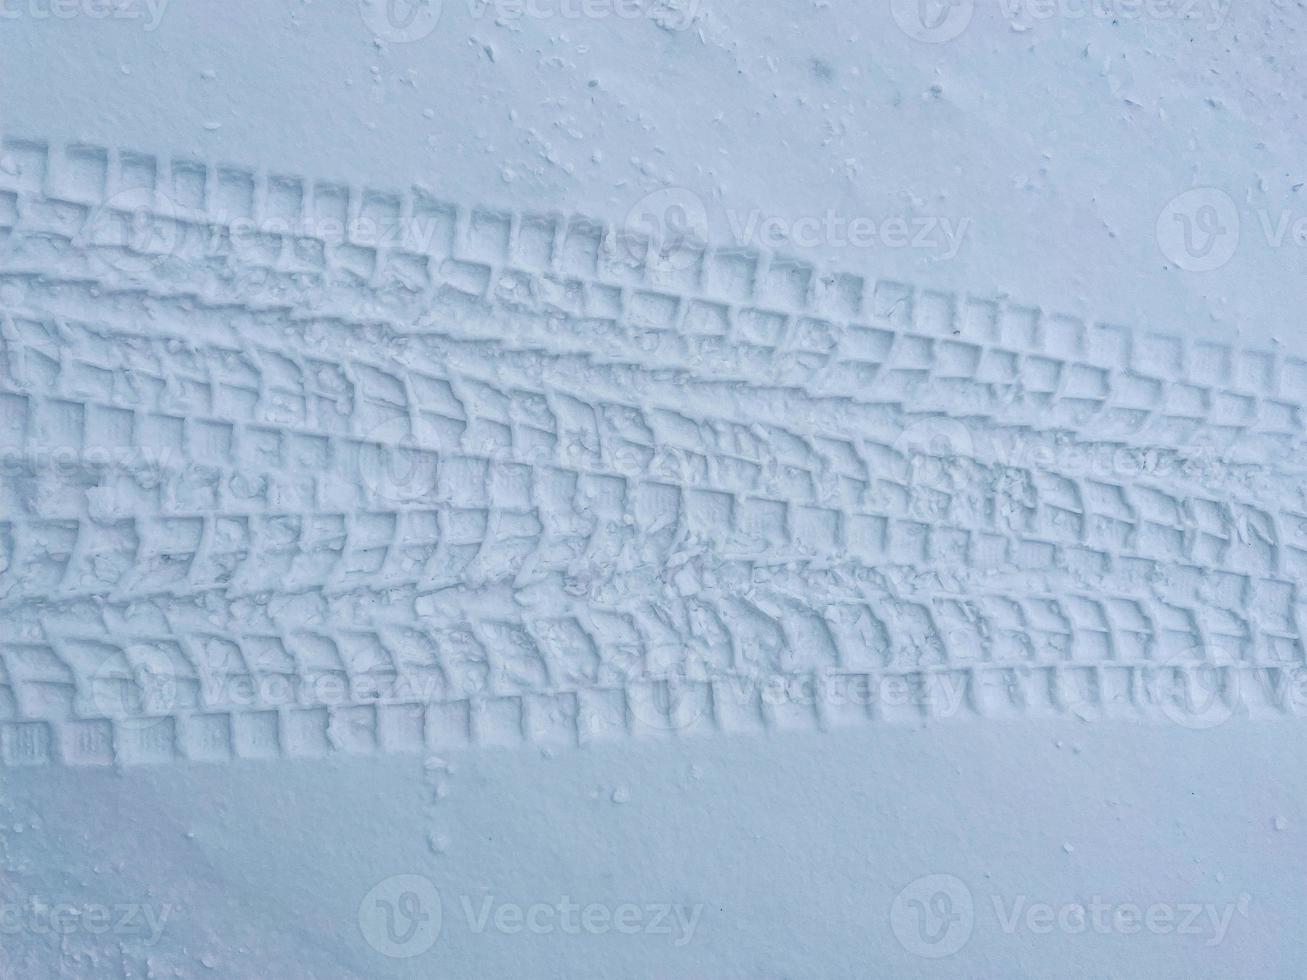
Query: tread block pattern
{"type": "Point", "coordinates": [297, 467]}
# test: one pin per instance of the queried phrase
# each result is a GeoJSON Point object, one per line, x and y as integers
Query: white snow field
{"type": "Point", "coordinates": [652, 488]}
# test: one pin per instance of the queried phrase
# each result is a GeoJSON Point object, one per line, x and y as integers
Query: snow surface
{"type": "Point", "coordinates": [419, 557]}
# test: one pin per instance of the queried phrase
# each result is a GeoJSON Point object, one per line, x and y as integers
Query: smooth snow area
{"type": "Point", "coordinates": [793, 849]}
{"type": "Point", "coordinates": [652, 488]}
